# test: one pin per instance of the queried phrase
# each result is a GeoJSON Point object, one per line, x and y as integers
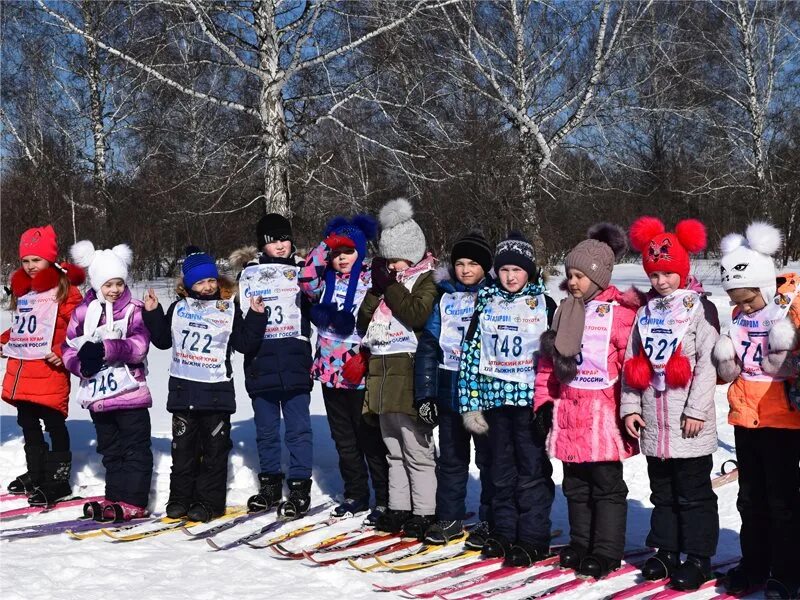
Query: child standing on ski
{"type": "Point", "coordinates": [278, 372]}
{"type": "Point", "coordinates": [106, 347]}
{"type": "Point", "coordinates": [668, 403]}
{"type": "Point", "coordinates": [756, 356]}
{"type": "Point", "coordinates": [577, 393]}
{"type": "Point", "coordinates": [203, 327]}
{"type": "Point", "coordinates": [393, 315]}
{"type": "Point", "coordinates": [495, 391]}
{"type": "Point", "coordinates": [436, 373]}
{"type": "Point", "coordinates": [336, 279]}
{"type": "Point", "coordinates": [43, 296]}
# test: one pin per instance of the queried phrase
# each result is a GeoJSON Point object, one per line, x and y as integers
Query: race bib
{"type": "Point", "coordinates": [277, 286]}
{"type": "Point", "coordinates": [750, 334]}
{"type": "Point", "coordinates": [110, 381]}
{"type": "Point", "coordinates": [456, 311]}
{"type": "Point", "coordinates": [33, 326]}
{"type": "Point", "coordinates": [402, 339]}
{"type": "Point", "coordinates": [662, 327]}
{"type": "Point", "coordinates": [510, 334]}
{"type": "Point", "coordinates": [201, 330]}
{"type": "Point", "coordinates": [593, 358]}
{"type": "Point", "coordinates": [339, 296]}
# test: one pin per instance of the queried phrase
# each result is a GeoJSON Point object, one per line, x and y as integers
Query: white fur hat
{"type": "Point", "coordinates": [102, 265]}
{"type": "Point", "coordinates": [401, 236]}
{"type": "Point", "coordinates": [747, 259]}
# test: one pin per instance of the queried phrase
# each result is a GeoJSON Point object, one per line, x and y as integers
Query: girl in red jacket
{"type": "Point", "coordinates": [577, 391]}
{"type": "Point", "coordinates": [43, 296]}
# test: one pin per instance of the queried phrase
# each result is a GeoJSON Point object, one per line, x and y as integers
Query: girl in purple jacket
{"type": "Point", "coordinates": [106, 348]}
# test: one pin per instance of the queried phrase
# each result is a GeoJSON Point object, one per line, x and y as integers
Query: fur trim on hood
{"type": "Point", "coordinates": [240, 257]}
{"type": "Point", "coordinates": [227, 288]}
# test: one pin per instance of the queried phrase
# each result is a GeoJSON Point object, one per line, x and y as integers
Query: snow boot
{"type": "Point", "coordinates": [375, 514]}
{"type": "Point", "coordinates": [176, 509]}
{"type": "Point", "coordinates": [298, 501]}
{"type": "Point", "coordinates": [691, 574]}
{"type": "Point", "coordinates": [202, 513]}
{"type": "Point", "coordinates": [417, 525]}
{"type": "Point", "coordinates": [477, 536]}
{"type": "Point", "coordinates": [55, 483]}
{"type": "Point", "coordinates": [524, 554]}
{"type": "Point", "coordinates": [393, 521]}
{"type": "Point", "coordinates": [597, 566]}
{"type": "Point", "coordinates": [496, 546]}
{"type": "Point", "coordinates": [350, 508]}
{"type": "Point", "coordinates": [571, 556]}
{"type": "Point", "coordinates": [739, 580]}
{"type": "Point", "coordinates": [269, 494]}
{"type": "Point", "coordinates": [778, 589]}
{"type": "Point", "coordinates": [119, 512]}
{"type": "Point", "coordinates": [442, 532]}
{"type": "Point", "coordinates": [661, 565]}
{"type": "Point", "coordinates": [27, 482]}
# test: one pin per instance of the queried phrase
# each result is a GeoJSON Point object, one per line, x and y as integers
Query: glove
{"type": "Point", "coordinates": [428, 412]}
{"type": "Point", "coordinates": [474, 422]}
{"type": "Point", "coordinates": [382, 276]}
{"type": "Point", "coordinates": [543, 421]}
{"type": "Point", "coordinates": [335, 240]}
{"type": "Point", "coordinates": [91, 357]}
{"type": "Point", "coordinates": [355, 367]}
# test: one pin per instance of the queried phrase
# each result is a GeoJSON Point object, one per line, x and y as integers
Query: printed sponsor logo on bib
{"type": "Point", "coordinates": [750, 334]}
{"type": "Point", "coordinates": [510, 332]}
{"type": "Point", "coordinates": [33, 326]}
{"type": "Point", "coordinates": [278, 288]}
{"type": "Point", "coordinates": [402, 339]}
{"type": "Point", "coordinates": [593, 358]}
{"type": "Point", "coordinates": [662, 328]}
{"type": "Point", "coordinates": [339, 296]}
{"type": "Point", "coordinates": [201, 330]}
{"type": "Point", "coordinates": [456, 310]}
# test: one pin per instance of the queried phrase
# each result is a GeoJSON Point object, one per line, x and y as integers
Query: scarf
{"type": "Point", "coordinates": [569, 321]}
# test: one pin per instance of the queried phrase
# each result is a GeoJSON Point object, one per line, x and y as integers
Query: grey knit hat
{"type": "Point", "coordinates": [401, 236]}
{"type": "Point", "coordinates": [596, 256]}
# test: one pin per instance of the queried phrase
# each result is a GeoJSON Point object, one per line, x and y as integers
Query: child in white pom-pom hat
{"type": "Point", "coordinates": [756, 356]}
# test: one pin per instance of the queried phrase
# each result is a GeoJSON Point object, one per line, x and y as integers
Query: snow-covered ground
{"type": "Point", "coordinates": [174, 566]}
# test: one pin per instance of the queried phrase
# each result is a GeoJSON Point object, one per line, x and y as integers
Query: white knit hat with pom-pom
{"type": "Point", "coordinates": [747, 259]}
{"type": "Point", "coordinates": [102, 265]}
{"type": "Point", "coordinates": [401, 236]}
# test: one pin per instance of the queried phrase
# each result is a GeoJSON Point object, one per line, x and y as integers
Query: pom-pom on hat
{"type": "Point", "coordinates": [102, 265]}
{"type": "Point", "coordinates": [473, 246]}
{"type": "Point", "coordinates": [401, 236]}
{"type": "Point", "coordinates": [665, 251]}
{"type": "Point", "coordinates": [516, 250]}
{"type": "Point", "coordinates": [39, 241]}
{"type": "Point", "coordinates": [747, 259]}
{"type": "Point", "coordinates": [197, 266]}
{"type": "Point", "coordinates": [595, 256]}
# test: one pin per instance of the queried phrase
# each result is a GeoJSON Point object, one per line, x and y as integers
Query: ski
{"type": "Point", "coordinates": [166, 527]}
{"type": "Point", "coordinates": [726, 476]}
{"type": "Point", "coordinates": [85, 533]}
{"type": "Point", "coordinates": [395, 547]}
{"type": "Point", "coordinates": [717, 580]}
{"type": "Point", "coordinates": [224, 526]}
{"type": "Point", "coordinates": [340, 542]}
{"type": "Point", "coordinates": [5, 497]}
{"type": "Point", "coordinates": [297, 532]}
{"type": "Point", "coordinates": [16, 513]}
{"type": "Point", "coordinates": [82, 525]}
{"type": "Point", "coordinates": [450, 574]}
{"type": "Point", "coordinates": [651, 586]}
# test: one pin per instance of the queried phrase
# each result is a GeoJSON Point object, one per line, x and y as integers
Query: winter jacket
{"type": "Point", "coordinates": [390, 382]}
{"type": "Point", "coordinates": [586, 423]}
{"type": "Point", "coordinates": [186, 394]}
{"type": "Point", "coordinates": [331, 353]}
{"type": "Point", "coordinates": [755, 404]}
{"type": "Point", "coordinates": [131, 351]}
{"type": "Point", "coordinates": [36, 380]}
{"type": "Point", "coordinates": [282, 364]}
{"type": "Point", "coordinates": [482, 392]}
{"type": "Point", "coordinates": [432, 381]}
{"type": "Point", "coordinates": [662, 411]}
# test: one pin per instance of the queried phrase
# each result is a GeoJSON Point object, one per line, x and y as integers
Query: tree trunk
{"type": "Point", "coordinates": [529, 190]}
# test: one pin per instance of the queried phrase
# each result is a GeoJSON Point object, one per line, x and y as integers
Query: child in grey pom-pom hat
{"type": "Point", "coordinates": [393, 316]}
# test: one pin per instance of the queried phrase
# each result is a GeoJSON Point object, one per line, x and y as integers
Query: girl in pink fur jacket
{"type": "Point", "coordinates": [577, 393]}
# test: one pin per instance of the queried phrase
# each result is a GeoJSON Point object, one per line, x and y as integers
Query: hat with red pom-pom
{"type": "Point", "coordinates": [665, 251]}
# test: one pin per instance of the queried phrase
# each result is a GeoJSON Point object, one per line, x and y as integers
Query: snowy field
{"type": "Point", "coordinates": [174, 566]}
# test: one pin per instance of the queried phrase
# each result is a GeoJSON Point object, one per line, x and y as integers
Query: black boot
{"type": "Point", "coordinates": [778, 589]}
{"type": "Point", "coordinates": [298, 501]}
{"type": "Point", "coordinates": [524, 554]}
{"type": "Point", "coordinates": [597, 566]}
{"type": "Point", "coordinates": [661, 565]}
{"type": "Point", "coordinates": [269, 494]}
{"type": "Point", "coordinates": [478, 535]}
{"type": "Point", "coordinates": [691, 574]}
{"type": "Point", "coordinates": [571, 556]}
{"type": "Point", "coordinates": [393, 521]}
{"type": "Point", "coordinates": [442, 532]}
{"type": "Point", "coordinates": [202, 513]}
{"type": "Point", "coordinates": [27, 482]}
{"type": "Point", "coordinates": [55, 484]}
{"type": "Point", "coordinates": [496, 546]}
{"type": "Point", "coordinates": [739, 580]}
{"type": "Point", "coordinates": [176, 509]}
{"type": "Point", "coordinates": [417, 525]}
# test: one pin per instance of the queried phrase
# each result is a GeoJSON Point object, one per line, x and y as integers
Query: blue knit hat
{"type": "Point", "coordinates": [197, 266]}
{"type": "Point", "coordinates": [360, 229]}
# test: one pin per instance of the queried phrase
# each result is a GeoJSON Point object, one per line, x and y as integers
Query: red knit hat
{"type": "Point", "coordinates": [669, 252]}
{"type": "Point", "coordinates": [39, 241]}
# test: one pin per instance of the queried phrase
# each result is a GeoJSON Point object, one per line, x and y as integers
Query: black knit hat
{"type": "Point", "coordinates": [474, 247]}
{"type": "Point", "coordinates": [273, 228]}
{"type": "Point", "coordinates": [516, 250]}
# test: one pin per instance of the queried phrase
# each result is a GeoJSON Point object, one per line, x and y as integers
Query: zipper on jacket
{"type": "Point", "coordinates": [383, 380]}
{"type": "Point", "coordinates": [16, 379]}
